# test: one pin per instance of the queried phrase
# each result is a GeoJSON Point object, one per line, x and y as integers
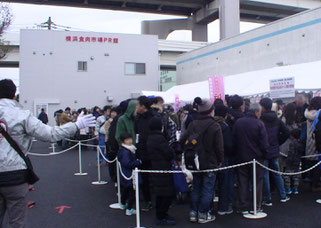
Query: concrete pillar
{"type": "Point", "coordinates": [199, 33]}
{"type": "Point", "coordinates": [163, 28]}
{"type": "Point", "coordinates": [229, 14]}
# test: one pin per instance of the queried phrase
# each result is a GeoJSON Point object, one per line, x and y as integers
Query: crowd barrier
{"type": "Point", "coordinates": [135, 174]}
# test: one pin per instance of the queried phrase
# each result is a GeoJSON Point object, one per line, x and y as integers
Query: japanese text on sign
{"type": "Point", "coordinates": [87, 39]}
{"type": "Point", "coordinates": [282, 88]}
{"type": "Point", "coordinates": [216, 88]}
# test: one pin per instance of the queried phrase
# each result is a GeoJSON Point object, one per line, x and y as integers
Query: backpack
{"type": "Point", "coordinates": [193, 147]}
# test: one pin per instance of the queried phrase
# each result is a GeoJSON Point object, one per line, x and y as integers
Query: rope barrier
{"type": "Point", "coordinates": [124, 176]}
{"type": "Point", "coordinates": [85, 140]}
{"type": "Point", "coordinates": [56, 153]}
{"type": "Point", "coordinates": [90, 145]}
{"type": "Point", "coordinates": [106, 159]}
{"type": "Point", "coordinates": [306, 156]}
{"type": "Point", "coordinates": [197, 171]}
{"type": "Point", "coordinates": [289, 174]}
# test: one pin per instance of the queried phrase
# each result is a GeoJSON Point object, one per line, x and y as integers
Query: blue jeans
{"type": "Point", "coordinates": [279, 184]}
{"type": "Point", "coordinates": [102, 145]}
{"type": "Point", "coordinates": [203, 192]}
{"type": "Point", "coordinates": [226, 186]}
{"type": "Point", "coordinates": [64, 144]}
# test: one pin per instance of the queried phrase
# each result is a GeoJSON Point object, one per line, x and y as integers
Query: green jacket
{"type": "Point", "coordinates": [126, 123]}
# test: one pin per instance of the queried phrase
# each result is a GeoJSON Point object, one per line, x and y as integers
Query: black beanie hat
{"type": "Point", "coordinates": [155, 124]}
{"type": "Point", "coordinates": [7, 89]}
{"type": "Point", "coordinates": [124, 136]}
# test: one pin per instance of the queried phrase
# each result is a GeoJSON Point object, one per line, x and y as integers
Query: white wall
{"type": "Point", "coordinates": [49, 73]}
{"type": "Point", "coordinates": [292, 40]}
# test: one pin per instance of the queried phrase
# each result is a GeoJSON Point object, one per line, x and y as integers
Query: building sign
{"type": "Point", "coordinates": [216, 88]}
{"type": "Point", "coordinates": [91, 39]}
{"type": "Point", "coordinates": [167, 79]}
{"type": "Point", "coordinates": [282, 88]}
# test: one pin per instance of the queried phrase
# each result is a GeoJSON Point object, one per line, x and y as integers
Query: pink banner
{"type": "Point", "coordinates": [176, 105]}
{"type": "Point", "coordinates": [216, 88]}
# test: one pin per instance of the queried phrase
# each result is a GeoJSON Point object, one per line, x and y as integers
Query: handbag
{"type": "Point", "coordinates": [31, 175]}
{"type": "Point", "coordinates": [180, 183]}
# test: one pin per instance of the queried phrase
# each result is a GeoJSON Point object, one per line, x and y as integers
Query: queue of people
{"type": "Point", "coordinates": [227, 133]}
{"type": "Point", "coordinates": [142, 133]}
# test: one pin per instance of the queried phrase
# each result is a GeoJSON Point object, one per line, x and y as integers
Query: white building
{"type": "Point", "coordinates": [289, 41]}
{"type": "Point", "coordinates": [80, 69]}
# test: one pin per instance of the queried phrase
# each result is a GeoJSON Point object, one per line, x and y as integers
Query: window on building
{"type": "Point", "coordinates": [135, 68]}
{"type": "Point", "coordinates": [82, 66]}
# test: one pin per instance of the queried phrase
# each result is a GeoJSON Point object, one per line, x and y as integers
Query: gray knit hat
{"type": "Point", "coordinates": [205, 106]}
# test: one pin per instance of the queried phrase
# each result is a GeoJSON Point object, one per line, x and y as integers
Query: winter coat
{"type": "Point", "coordinates": [128, 162]}
{"type": "Point", "coordinates": [161, 156]}
{"type": "Point", "coordinates": [43, 117]}
{"type": "Point", "coordinates": [126, 123]}
{"type": "Point", "coordinates": [212, 141]}
{"type": "Point", "coordinates": [310, 141]}
{"type": "Point", "coordinates": [142, 132]}
{"type": "Point", "coordinates": [112, 144]}
{"type": "Point", "coordinates": [284, 148]}
{"type": "Point", "coordinates": [294, 154]}
{"type": "Point", "coordinates": [99, 128]}
{"type": "Point", "coordinates": [156, 111]}
{"type": "Point", "coordinates": [250, 138]}
{"type": "Point", "coordinates": [21, 125]}
{"type": "Point", "coordinates": [277, 133]}
{"type": "Point", "coordinates": [227, 136]}
{"type": "Point", "coordinates": [107, 125]}
{"type": "Point", "coordinates": [300, 114]}
{"type": "Point", "coordinates": [64, 118]}
{"type": "Point", "coordinates": [233, 116]}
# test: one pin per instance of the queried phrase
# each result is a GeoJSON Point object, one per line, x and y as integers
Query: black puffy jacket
{"type": "Point", "coordinates": [161, 156]}
{"type": "Point", "coordinates": [277, 133]}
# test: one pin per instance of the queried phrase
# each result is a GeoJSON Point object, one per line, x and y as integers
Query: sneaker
{"type": "Point", "coordinates": [130, 212]}
{"type": "Point", "coordinates": [259, 209]}
{"type": "Point", "coordinates": [122, 206]}
{"type": "Point", "coordinates": [295, 191]}
{"type": "Point", "coordinates": [288, 191]}
{"type": "Point", "coordinates": [193, 216]}
{"type": "Point", "coordinates": [165, 222]}
{"type": "Point", "coordinates": [267, 203]}
{"type": "Point", "coordinates": [242, 211]}
{"type": "Point", "coordinates": [286, 199]}
{"type": "Point", "coordinates": [147, 206]}
{"type": "Point", "coordinates": [206, 218]}
{"type": "Point", "coordinates": [228, 212]}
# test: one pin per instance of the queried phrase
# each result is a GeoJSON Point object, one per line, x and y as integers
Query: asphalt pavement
{"type": "Point", "coordinates": [88, 205]}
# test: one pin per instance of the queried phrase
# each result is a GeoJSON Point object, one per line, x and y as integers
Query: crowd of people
{"type": "Point", "coordinates": [145, 133]}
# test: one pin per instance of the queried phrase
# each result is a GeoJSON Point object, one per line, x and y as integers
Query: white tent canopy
{"type": "Point", "coordinates": [307, 78]}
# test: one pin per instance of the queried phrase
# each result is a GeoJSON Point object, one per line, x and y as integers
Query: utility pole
{"type": "Point", "coordinates": [49, 23]}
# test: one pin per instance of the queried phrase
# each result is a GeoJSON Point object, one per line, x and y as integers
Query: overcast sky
{"type": "Point", "coordinates": [28, 16]}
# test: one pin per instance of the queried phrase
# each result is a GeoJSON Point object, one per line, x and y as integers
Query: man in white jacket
{"type": "Point", "coordinates": [21, 125]}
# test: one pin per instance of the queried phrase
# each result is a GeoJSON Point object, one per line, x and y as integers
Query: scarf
{"type": "Point", "coordinates": [131, 148]}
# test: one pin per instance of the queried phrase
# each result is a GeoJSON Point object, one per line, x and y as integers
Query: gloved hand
{"type": "Point", "coordinates": [85, 121]}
